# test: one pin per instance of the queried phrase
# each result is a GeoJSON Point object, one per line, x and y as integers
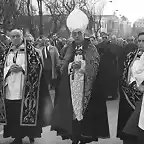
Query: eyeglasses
{"type": "Point", "coordinates": [141, 41]}
{"type": "Point", "coordinates": [15, 36]}
{"type": "Point", "coordinates": [104, 37]}
{"type": "Point", "coordinates": [74, 34]}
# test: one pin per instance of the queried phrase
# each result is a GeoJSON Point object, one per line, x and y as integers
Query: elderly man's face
{"type": "Point", "coordinates": [93, 41]}
{"type": "Point", "coordinates": [104, 38]}
{"type": "Point", "coordinates": [16, 37]}
{"type": "Point", "coordinates": [47, 42]}
{"type": "Point", "coordinates": [130, 40]}
{"type": "Point", "coordinates": [78, 36]}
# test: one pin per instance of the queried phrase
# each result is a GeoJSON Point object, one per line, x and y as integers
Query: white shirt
{"type": "Point", "coordinates": [137, 71]}
{"type": "Point", "coordinates": [45, 51]}
{"type": "Point", "coordinates": [15, 81]}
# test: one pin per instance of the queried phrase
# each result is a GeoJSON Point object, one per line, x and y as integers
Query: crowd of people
{"type": "Point", "coordinates": [84, 72]}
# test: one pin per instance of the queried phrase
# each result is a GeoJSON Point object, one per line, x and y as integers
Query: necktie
{"type": "Point", "coordinates": [45, 52]}
{"type": "Point", "coordinates": [15, 57]}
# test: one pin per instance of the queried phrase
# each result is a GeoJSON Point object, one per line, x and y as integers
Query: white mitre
{"type": "Point", "coordinates": [77, 20]}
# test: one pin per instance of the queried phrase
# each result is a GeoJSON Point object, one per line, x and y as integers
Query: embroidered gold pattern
{"type": "Point", "coordinates": [30, 99]}
{"type": "Point", "coordinates": [130, 90]}
{"type": "Point", "coordinates": [85, 82]}
{"type": "Point", "coordinates": [92, 64]}
{"type": "Point", "coordinates": [2, 105]}
{"type": "Point", "coordinates": [77, 85]}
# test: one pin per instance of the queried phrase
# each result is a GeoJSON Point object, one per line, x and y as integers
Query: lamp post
{"type": "Point", "coordinates": [41, 18]}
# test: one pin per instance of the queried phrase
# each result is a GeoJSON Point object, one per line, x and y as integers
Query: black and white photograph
{"type": "Point", "coordinates": [71, 72]}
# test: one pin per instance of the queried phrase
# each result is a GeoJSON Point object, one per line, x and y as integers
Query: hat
{"type": "Point", "coordinates": [77, 20]}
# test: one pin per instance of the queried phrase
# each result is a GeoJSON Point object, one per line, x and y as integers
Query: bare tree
{"type": "Point", "coordinates": [69, 5]}
{"type": "Point", "coordinates": [39, 2]}
{"type": "Point", "coordinates": [11, 10]}
{"type": "Point", "coordinates": [8, 10]}
{"type": "Point", "coordinates": [56, 12]}
{"type": "Point", "coordinates": [94, 11]}
{"type": "Point", "coordinates": [98, 20]}
{"type": "Point", "coordinates": [60, 9]}
{"type": "Point", "coordinates": [30, 11]}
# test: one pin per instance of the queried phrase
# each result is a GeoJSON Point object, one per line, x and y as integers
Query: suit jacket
{"type": "Point", "coordinates": [55, 60]}
{"type": "Point", "coordinates": [54, 54]}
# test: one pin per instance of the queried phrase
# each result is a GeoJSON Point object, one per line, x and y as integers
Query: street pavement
{"type": "Point", "coordinates": [50, 137]}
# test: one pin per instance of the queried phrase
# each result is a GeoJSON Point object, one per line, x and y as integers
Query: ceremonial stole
{"type": "Point", "coordinates": [77, 86]}
{"type": "Point", "coordinates": [30, 97]}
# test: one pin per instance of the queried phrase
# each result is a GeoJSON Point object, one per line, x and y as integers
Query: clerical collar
{"type": "Point", "coordinates": [78, 46]}
{"type": "Point", "coordinates": [17, 48]}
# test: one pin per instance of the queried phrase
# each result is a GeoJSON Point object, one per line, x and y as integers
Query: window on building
{"type": "Point", "coordinates": [102, 25]}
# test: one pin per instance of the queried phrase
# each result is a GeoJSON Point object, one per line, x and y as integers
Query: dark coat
{"type": "Point", "coordinates": [95, 122]}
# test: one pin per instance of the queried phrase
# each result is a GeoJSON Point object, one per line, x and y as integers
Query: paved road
{"type": "Point", "coordinates": [51, 138]}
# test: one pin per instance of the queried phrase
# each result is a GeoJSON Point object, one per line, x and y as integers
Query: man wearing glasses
{"type": "Point", "coordinates": [80, 109]}
{"type": "Point", "coordinates": [22, 90]}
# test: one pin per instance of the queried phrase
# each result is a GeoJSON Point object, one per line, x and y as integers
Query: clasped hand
{"type": "Point", "coordinates": [141, 88]}
{"type": "Point", "coordinates": [15, 68]}
{"type": "Point", "coordinates": [76, 65]}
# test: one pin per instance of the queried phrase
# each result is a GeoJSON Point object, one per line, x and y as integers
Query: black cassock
{"type": "Point", "coordinates": [125, 109]}
{"type": "Point", "coordinates": [109, 68]}
{"type": "Point", "coordinates": [95, 121]}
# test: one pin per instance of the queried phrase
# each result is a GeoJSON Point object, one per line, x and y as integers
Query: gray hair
{"type": "Point", "coordinates": [20, 32]}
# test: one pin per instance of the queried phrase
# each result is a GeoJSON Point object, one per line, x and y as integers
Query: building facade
{"type": "Point", "coordinates": [138, 27]}
{"type": "Point", "coordinates": [114, 25]}
{"type": "Point", "coordinates": [139, 23]}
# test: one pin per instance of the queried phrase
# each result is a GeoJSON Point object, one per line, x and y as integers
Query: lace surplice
{"type": "Point", "coordinates": [92, 59]}
{"type": "Point", "coordinates": [77, 87]}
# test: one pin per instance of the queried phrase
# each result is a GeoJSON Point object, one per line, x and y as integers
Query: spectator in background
{"type": "Point", "coordinates": [93, 40]}
{"type": "Point", "coordinates": [120, 42]}
{"type": "Point", "coordinates": [57, 43]}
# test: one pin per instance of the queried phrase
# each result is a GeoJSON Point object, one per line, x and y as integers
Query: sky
{"type": "Point", "coordinates": [132, 9]}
